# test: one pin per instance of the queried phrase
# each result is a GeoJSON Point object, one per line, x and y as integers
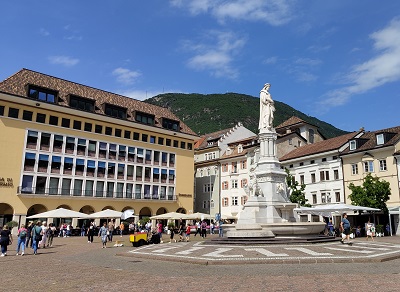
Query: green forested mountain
{"type": "Point", "coordinates": [207, 113]}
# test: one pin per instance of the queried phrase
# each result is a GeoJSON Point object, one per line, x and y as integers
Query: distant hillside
{"type": "Point", "coordinates": [207, 113]}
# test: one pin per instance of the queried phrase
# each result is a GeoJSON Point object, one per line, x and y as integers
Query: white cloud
{"type": "Point", "coordinates": [274, 12]}
{"type": "Point", "coordinates": [44, 32]}
{"type": "Point", "coordinates": [271, 60]}
{"type": "Point", "coordinates": [126, 76]}
{"type": "Point", "coordinates": [383, 68]}
{"type": "Point", "coordinates": [215, 53]}
{"type": "Point", "coordinates": [63, 60]}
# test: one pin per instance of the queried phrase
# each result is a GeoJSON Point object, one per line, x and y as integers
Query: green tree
{"type": "Point", "coordinates": [373, 193]}
{"type": "Point", "coordinates": [296, 190]}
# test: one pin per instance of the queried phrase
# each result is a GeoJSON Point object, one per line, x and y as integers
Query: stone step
{"type": "Point", "coordinates": [271, 241]}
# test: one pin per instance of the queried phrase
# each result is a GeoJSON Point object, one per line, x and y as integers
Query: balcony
{"type": "Point", "coordinates": [41, 191]}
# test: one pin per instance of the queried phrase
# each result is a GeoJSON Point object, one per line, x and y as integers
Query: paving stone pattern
{"type": "Point", "coordinates": [72, 264]}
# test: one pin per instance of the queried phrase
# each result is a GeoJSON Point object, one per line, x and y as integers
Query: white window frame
{"type": "Point", "coordinates": [382, 165]}
{"type": "Point", "coordinates": [380, 139]}
{"type": "Point", "coordinates": [235, 201]}
{"type": "Point", "coordinates": [353, 145]}
{"type": "Point", "coordinates": [354, 169]}
{"type": "Point", "coordinates": [369, 166]}
{"type": "Point", "coordinates": [234, 184]}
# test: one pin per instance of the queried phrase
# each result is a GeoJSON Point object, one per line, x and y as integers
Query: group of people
{"type": "Point", "coordinates": [106, 232]}
{"type": "Point", "coordinates": [35, 235]}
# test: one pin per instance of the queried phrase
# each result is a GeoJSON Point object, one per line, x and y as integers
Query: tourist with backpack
{"type": "Point", "coordinates": [28, 240]}
{"type": "Point", "coordinates": [22, 235]}
{"type": "Point", "coordinates": [37, 235]}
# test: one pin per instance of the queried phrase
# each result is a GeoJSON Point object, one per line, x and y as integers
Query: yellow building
{"type": "Point", "coordinates": [375, 153]}
{"type": "Point", "coordinates": [63, 144]}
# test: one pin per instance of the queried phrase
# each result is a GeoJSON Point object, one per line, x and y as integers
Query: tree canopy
{"type": "Point", "coordinates": [296, 190]}
{"type": "Point", "coordinates": [372, 193]}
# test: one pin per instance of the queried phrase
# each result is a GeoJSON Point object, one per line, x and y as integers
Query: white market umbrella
{"type": "Point", "coordinates": [197, 215]}
{"type": "Point", "coordinates": [108, 213]}
{"type": "Point", "coordinates": [170, 215]}
{"type": "Point", "coordinates": [325, 210]}
{"type": "Point", "coordinates": [59, 213]}
{"type": "Point", "coordinates": [228, 217]}
{"type": "Point", "coordinates": [128, 214]}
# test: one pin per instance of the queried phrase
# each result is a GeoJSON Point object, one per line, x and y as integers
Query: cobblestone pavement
{"type": "Point", "coordinates": [72, 264]}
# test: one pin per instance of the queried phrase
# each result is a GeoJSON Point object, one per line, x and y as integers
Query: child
{"type": "Point", "coordinates": [187, 232]}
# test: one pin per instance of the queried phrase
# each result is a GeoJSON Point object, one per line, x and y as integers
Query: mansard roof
{"type": "Point", "coordinates": [17, 84]}
{"type": "Point", "coordinates": [319, 147]}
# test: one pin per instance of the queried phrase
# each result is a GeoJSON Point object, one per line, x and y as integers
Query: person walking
{"type": "Point", "coordinates": [220, 231]}
{"type": "Point", "coordinates": [368, 227]}
{"type": "Point", "coordinates": [121, 228]}
{"type": "Point", "coordinates": [5, 240]}
{"type": "Point", "coordinates": [22, 234]}
{"type": "Point", "coordinates": [160, 230]}
{"type": "Point", "coordinates": [181, 229]}
{"type": "Point", "coordinates": [172, 233]}
{"type": "Point", "coordinates": [28, 240]}
{"type": "Point", "coordinates": [345, 226]}
{"type": "Point", "coordinates": [187, 232]}
{"type": "Point", "coordinates": [36, 236]}
{"type": "Point", "coordinates": [204, 229]}
{"type": "Point", "coordinates": [103, 234]}
{"type": "Point", "coordinates": [50, 234]}
{"type": "Point", "coordinates": [111, 227]}
{"type": "Point", "coordinates": [83, 230]}
{"type": "Point", "coordinates": [44, 234]}
{"type": "Point", "coordinates": [90, 232]}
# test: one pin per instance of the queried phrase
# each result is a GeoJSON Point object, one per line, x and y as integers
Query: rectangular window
{"type": "Point", "coordinates": [27, 184]}
{"type": "Point", "coordinates": [235, 201]}
{"type": "Point", "coordinates": [81, 103]}
{"type": "Point", "coordinates": [81, 149]}
{"type": "Point", "coordinates": [183, 145]}
{"type": "Point", "coordinates": [234, 167]}
{"type": "Point", "coordinates": [98, 129]}
{"type": "Point", "coordinates": [31, 139]}
{"type": "Point", "coordinates": [336, 174]}
{"type": "Point", "coordinates": [171, 159]}
{"type": "Point", "coordinates": [40, 118]}
{"type": "Point", "coordinates": [80, 167]}
{"type": "Point", "coordinates": [121, 171]}
{"type": "Point", "coordinates": [243, 183]}
{"type": "Point", "coordinates": [92, 148]}
{"type": "Point", "coordinates": [89, 188]}
{"type": "Point", "coordinates": [77, 125]}
{"type": "Point", "coordinates": [100, 189]}
{"type": "Point", "coordinates": [111, 170]}
{"type": "Point", "coordinates": [243, 164]}
{"type": "Point", "coordinates": [167, 142]}
{"type": "Point", "coordinates": [101, 169]}
{"type": "Point", "coordinates": [234, 184]}
{"type": "Point", "coordinates": [324, 175]}
{"type": "Point", "coordinates": [379, 139]}
{"type": "Point", "coordinates": [353, 145]}
{"type": "Point", "coordinates": [129, 191]}
{"type": "Point", "coordinates": [27, 115]}
{"type": "Point", "coordinates": [131, 154]}
{"type": "Point", "coordinates": [225, 202]}
{"type": "Point", "coordinates": [160, 141]}
{"type": "Point", "coordinates": [88, 127]}
{"type": "Point", "coordinates": [108, 131]}
{"type": "Point", "coordinates": [30, 160]}
{"type": "Point", "coordinates": [45, 141]}
{"type": "Point", "coordinates": [115, 111]}
{"type": "Point", "coordinates": [382, 165]}
{"type": "Point", "coordinates": [337, 196]}
{"type": "Point", "coordinates": [225, 167]}
{"type": "Point", "coordinates": [13, 112]}
{"type": "Point", "coordinates": [66, 187]}
{"type": "Point", "coordinates": [189, 146]}
{"type": "Point", "coordinates": [110, 190]}
{"type": "Point", "coordinates": [368, 166]}
{"type": "Point", "coordinates": [55, 164]}
{"type": "Point", "coordinates": [120, 190]}
{"type": "Point", "coordinates": [78, 184]}
{"type": "Point", "coordinates": [66, 123]}
{"type": "Point", "coordinates": [225, 185]}
{"type": "Point", "coordinates": [176, 143]}
{"type": "Point", "coordinates": [118, 133]}
{"type": "Point", "coordinates": [314, 198]}
{"type": "Point", "coordinates": [354, 169]}
{"type": "Point", "coordinates": [144, 118]}
{"type": "Point", "coordinates": [121, 152]}
{"type": "Point", "coordinates": [1, 110]}
{"type": "Point", "coordinates": [68, 164]}
{"type": "Point", "coordinates": [112, 151]}
{"type": "Point", "coordinates": [170, 124]}
{"type": "Point", "coordinates": [152, 139]}
{"type": "Point", "coordinates": [323, 198]}
{"type": "Point", "coordinates": [53, 120]}
{"type": "Point", "coordinates": [136, 136]}
{"type": "Point", "coordinates": [42, 94]}
{"type": "Point", "coordinates": [313, 178]}
{"type": "Point", "coordinates": [127, 134]}
{"type": "Point", "coordinates": [144, 137]}
{"type": "Point", "coordinates": [302, 179]}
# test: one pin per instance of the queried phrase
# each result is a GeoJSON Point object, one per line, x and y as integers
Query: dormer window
{"type": "Point", "coordinates": [81, 103]}
{"type": "Point", "coordinates": [42, 94]}
{"type": "Point", "coordinates": [170, 124]}
{"type": "Point", "coordinates": [115, 111]}
{"type": "Point", "coordinates": [240, 148]}
{"type": "Point", "coordinates": [144, 118]}
{"type": "Point", "coordinates": [353, 145]}
{"type": "Point", "coordinates": [228, 151]}
{"type": "Point", "coordinates": [380, 139]}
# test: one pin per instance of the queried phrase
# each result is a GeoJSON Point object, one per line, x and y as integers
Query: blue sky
{"type": "Point", "coordinates": [337, 60]}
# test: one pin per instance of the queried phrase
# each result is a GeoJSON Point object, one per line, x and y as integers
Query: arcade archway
{"type": "Point", "coordinates": [6, 213]}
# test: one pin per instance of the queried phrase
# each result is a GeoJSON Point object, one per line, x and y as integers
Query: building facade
{"type": "Point", "coordinates": [68, 145]}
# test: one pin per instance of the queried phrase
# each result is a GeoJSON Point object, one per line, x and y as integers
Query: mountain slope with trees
{"type": "Point", "coordinates": [207, 113]}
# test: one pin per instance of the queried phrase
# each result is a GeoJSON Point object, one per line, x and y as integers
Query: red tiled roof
{"type": "Point", "coordinates": [319, 147]}
{"type": "Point", "coordinates": [17, 84]}
{"type": "Point", "coordinates": [291, 121]}
{"type": "Point", "coordinates": [370, 138]}
{"type": "Point", "coordinates": [203, 141]}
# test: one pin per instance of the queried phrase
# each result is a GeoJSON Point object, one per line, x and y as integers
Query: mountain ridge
{"type": "Point", "coordinates": [207, 113]}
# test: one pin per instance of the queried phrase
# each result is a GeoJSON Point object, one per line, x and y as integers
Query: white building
{"type": "Point", "coordinates": [318, 166]}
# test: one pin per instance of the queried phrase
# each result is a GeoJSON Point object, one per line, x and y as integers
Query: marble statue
{"type": "Point", "coordinates": [254, 188]}
{"type": "Point", "coordinates": [267, 108]}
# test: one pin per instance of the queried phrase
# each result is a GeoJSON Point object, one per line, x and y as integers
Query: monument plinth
{"type": "Point", "coordinates": [268, 211]}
